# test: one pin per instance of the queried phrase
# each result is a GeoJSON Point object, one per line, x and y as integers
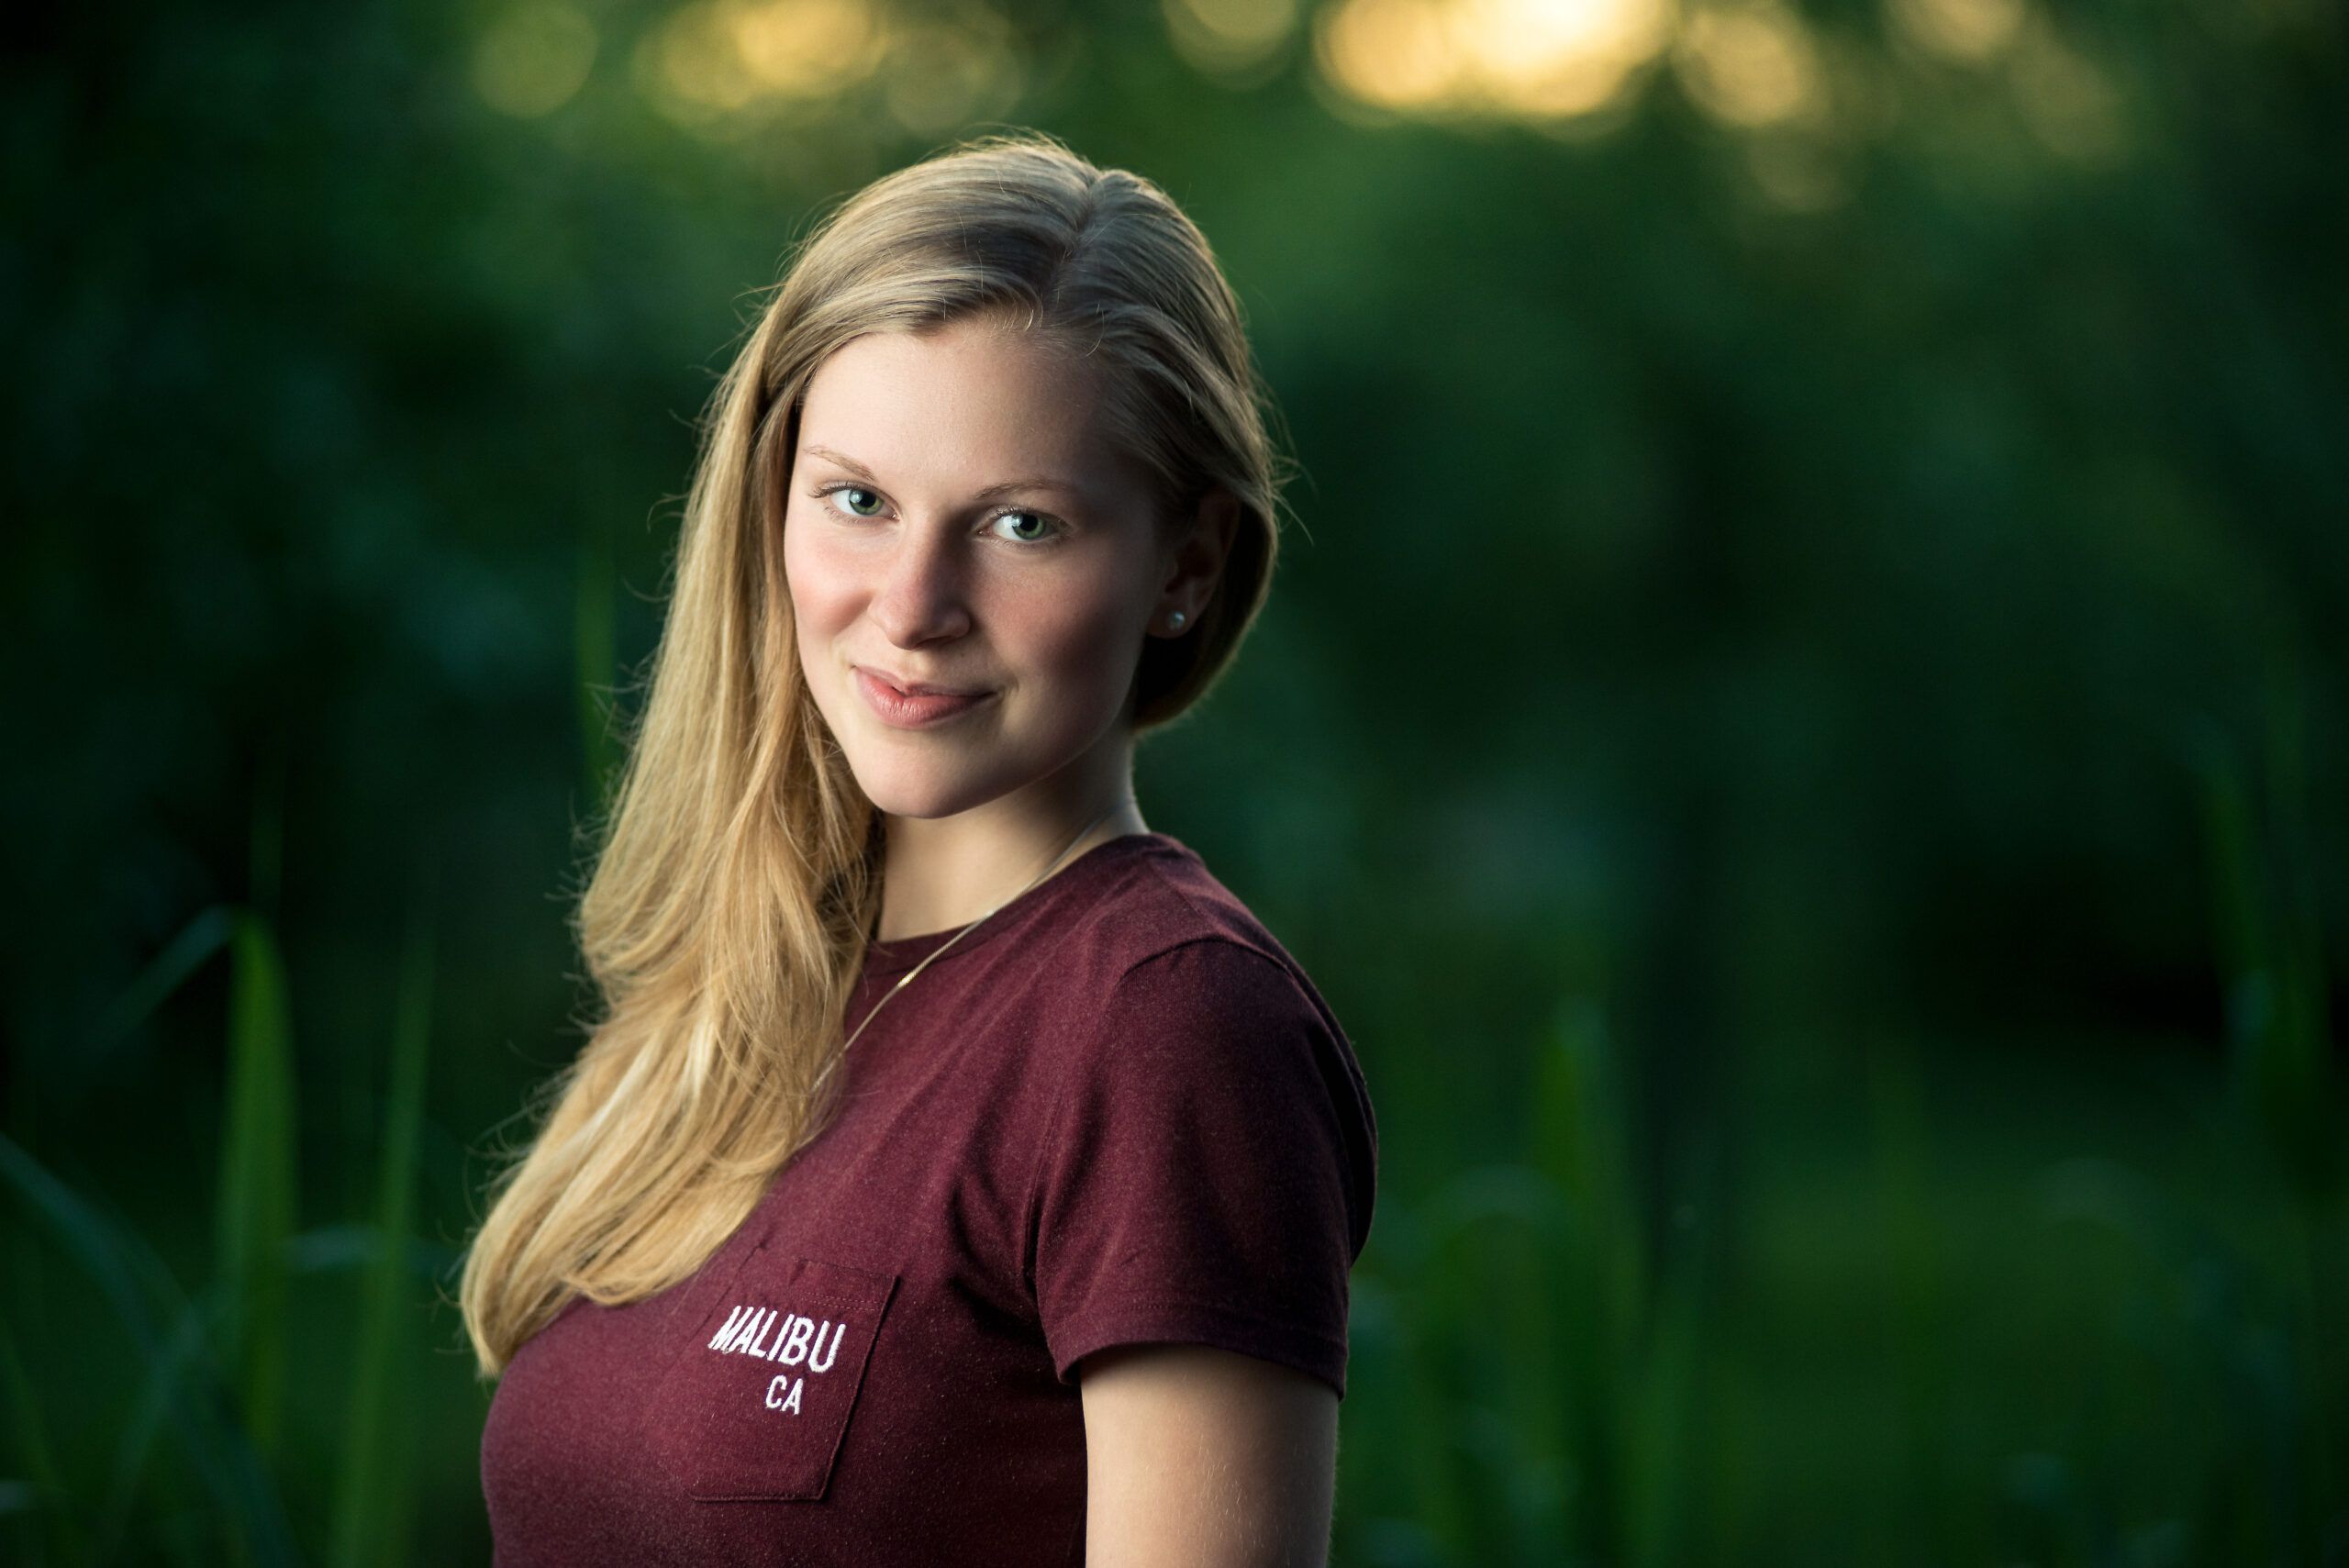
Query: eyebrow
{"type": "Point", "coordinates": [1007, 487]}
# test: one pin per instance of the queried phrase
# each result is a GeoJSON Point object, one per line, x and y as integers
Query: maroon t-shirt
{"type": "Point", "coordinates": [1115, 1112]}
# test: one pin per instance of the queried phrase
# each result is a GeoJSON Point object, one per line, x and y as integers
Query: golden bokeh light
{"type": "Point", "coordinates": [694, 67]}
{"type": "Point", "coordinates": [2066, 100]}
{"type": "Point", "coordinates": [1230, 37]}
{"type": "Point", "coordinates": [1750, 65]}
{"type": "Point", "coordinates": [942, 76]}
{"type": "Point", "coordinates": [1394, 54]}
{"type": "Point", "coordinates": [1968, 30]}
{"type": "Point", "coordinates": [1532, 59]}
{"type": "Point", "coordinates": [1557, 56]}
{"type": "Point", "coordinates": [805, 48]}
{"type": "Point", "coordinates": [723, 67]}
{"type": "Point", "coordinates": [533, 59]}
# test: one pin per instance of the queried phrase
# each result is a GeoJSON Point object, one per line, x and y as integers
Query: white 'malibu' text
{"type": "Point", "coordinates": [784, 1338]}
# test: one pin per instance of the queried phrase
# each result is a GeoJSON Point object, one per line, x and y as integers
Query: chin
{"type": "Point", "coordinates": [901, 787]}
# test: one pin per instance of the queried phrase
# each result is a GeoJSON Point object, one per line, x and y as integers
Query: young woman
{"type": "Point", "coordinates": [958, 1174]}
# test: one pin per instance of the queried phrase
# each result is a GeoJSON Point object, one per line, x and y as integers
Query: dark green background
{"type": "Point", "coordinates": [1803, 742]}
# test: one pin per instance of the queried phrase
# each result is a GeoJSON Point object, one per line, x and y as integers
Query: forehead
{"type": "Point", "coordinates": [958, 408]}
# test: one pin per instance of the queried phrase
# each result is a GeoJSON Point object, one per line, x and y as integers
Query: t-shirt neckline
{"type": "Point", "coordinates": [903, 952]}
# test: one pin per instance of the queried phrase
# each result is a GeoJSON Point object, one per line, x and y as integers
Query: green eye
{"type": "Point", "coordinates": [1044, 526]}
{"type": "Point", "coordinates": [1029, 528]}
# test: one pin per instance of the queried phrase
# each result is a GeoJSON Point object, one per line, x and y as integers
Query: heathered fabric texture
{"type": "Point", "coordinates": [1116, 1112]}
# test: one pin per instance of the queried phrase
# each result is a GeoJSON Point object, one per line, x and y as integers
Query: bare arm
{"type": "Point", "coordinates": [1205, 1458]}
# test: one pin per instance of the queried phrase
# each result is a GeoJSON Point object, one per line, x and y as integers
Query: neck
{"type": "Point", "coordinates": [939, 874]}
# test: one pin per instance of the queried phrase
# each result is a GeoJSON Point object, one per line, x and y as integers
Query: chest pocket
{"type": "Point", "coordinates": [757, 1403]}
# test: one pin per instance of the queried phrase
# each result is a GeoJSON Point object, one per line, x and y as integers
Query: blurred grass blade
{"type": "Point", "coordinates": [80, 1072]}
{"type": "Point", "coordinates": [371, 1493]}
{"type": "Point", "coordinates": [183, 956]}
{"type": "Point", "coordinates": [2269, 957]}
{"type": "Point", "coordinates": [85, 1235]}
{"type": "Point", "coordinates": [1916, 1293]}
{"type": "Point", "coordinates": [257, 1181]}
{"type": "Point", "coordinates": [1660, 1428]}
{"type": "Point", "coordinates": [1578, 1111]}
{"type": "Point", "coordinates": [166, 1377]}
{"type": "Point", "coordinates": [246, 1502]}
{"type": "Point", "coordinates": [1602, 1274]}
{"type": "Point", "coordinates": [332, 1248]}
{"type": "Point", "coordinates": [29, 1436]}
{"type": "Point", "coordinates": [2303, 1022]}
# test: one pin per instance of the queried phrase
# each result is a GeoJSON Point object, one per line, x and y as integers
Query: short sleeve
{"type": "Point", "coordinates": [1207, 1177]}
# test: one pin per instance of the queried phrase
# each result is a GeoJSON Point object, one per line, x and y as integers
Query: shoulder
{"type": "Point", "coordinates": [1162, 947]}
{"type": "Point", "coordinates": [1161, 913]}
{"type": "Point", "coordinates": [1208, 1169]}
{"type": "Point", "coordinates": [1192, 1014]}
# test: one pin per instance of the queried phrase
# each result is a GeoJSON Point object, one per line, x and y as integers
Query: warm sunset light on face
{"type": "Point", "coordinates": [1034, 605]}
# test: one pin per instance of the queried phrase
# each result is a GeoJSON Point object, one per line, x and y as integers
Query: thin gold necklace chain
{"type": "Point", "coordinates": [907, 979]}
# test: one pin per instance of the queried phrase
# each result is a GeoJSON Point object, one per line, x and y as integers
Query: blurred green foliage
{"type": "Point", "coordinates": [1801, 734]}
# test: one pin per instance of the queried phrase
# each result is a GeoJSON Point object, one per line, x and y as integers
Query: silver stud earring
{"type": "Point", "coordinates": [1175, 620]}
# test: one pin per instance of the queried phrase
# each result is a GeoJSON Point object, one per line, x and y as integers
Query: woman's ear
{"type": "Point", "coordinates": [1194, 563]}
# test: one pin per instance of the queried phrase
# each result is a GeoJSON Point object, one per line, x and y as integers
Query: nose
{"type": "Point", "coordinates": [920, 598]}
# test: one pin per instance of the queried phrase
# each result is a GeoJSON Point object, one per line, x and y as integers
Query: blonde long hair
{"type": "Point", "coordinates": [737, 871]}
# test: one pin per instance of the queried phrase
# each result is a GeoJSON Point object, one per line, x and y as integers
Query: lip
{"type": "Point", "coordinates": [919, 708]}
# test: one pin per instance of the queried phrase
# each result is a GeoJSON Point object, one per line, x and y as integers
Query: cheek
{"type": "Point", "coordinates": [1082, 638]}
{"type": "Point", "coordinates": [817, 584]}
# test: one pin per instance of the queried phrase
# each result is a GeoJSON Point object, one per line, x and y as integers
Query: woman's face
{"type": "Point", "coordinates": [955, 519]}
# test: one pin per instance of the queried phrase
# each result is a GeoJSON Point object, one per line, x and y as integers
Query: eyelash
{"type": "Point", "coordinates": [1060, 530]}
